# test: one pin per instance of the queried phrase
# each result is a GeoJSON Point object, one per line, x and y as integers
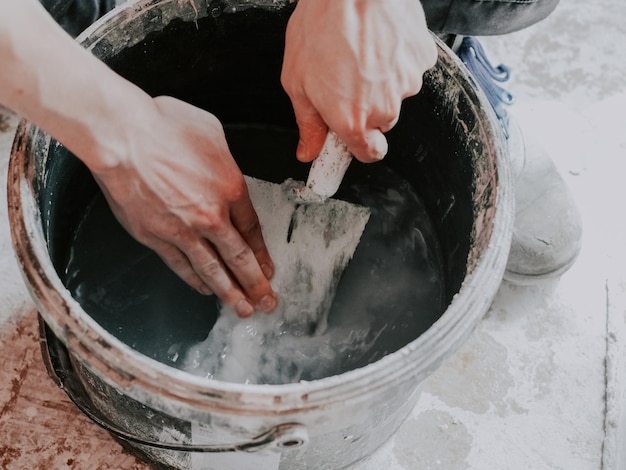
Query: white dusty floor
{"type": "Point", "coordinates": [541, 383]}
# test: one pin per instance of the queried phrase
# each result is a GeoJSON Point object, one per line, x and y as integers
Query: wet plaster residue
{"type": "Point", "coordinates": [460, 383]}
{"type": "Point", "coordinates": [433, 439]}
{"type": "Point", "coordinates": [528, 383]}
{"type": "Point", "coordinates": [546, 348]}
{"type": "Point", "coordinates": [39, 426]}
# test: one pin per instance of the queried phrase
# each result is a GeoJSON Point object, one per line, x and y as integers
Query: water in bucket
{"type": "Point", "coordinates": [389, 294]}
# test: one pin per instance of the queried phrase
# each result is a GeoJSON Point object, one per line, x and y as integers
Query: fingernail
{"type": "Point", "coordinates": [268, 303]}
{"type": "Point", "coordinates": [205, 290]}
{"type": "Point", "coordinates": [267, 270]}
{"type": "Point", "coordinates": [244, 309]}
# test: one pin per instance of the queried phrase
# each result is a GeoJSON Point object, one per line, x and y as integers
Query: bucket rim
{"type": "Point", "coordinates": [134, 373]}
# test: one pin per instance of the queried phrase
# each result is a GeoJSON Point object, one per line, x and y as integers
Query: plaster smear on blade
{"type": "Point", "coordinates": [311, 244]}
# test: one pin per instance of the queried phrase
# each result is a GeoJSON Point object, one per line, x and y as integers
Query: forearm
{"type": "Point", "coordinates": [52, 81]}
{"type": "Point", "coordinates": [163, 165]}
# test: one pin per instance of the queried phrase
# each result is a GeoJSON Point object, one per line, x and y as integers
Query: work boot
{"type": "Point", "coordinates": [547, 231]}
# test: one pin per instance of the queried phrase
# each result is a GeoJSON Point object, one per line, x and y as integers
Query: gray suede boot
{"type": "Point", "coordinates": [547, 232]}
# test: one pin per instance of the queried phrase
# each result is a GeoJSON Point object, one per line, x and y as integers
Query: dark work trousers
{"type": "Point", "coordinates": [484, 17]}
{"type": "Point", "coordinates": [463, 17]}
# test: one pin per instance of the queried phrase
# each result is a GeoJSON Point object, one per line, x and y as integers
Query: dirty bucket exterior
{"type": "Point", "coordinates": [181, 421]}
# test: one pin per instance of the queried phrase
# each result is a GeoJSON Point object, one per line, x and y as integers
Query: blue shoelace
{"type": "Point", "coordinates": [473, 55]}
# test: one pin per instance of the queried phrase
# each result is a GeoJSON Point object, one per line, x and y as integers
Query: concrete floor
{"type": "Point", "coordinates": [541, 383]}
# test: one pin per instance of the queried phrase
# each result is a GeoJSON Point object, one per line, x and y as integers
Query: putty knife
{"type": "Point", "coordinates": [310, 236]}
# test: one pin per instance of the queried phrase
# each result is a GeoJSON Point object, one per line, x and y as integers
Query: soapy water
{"type": "Point", "coordinates": [389, 293]}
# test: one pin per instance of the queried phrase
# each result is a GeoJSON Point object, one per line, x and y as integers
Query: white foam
{"type": "Point", "coordinates": [310, 246]}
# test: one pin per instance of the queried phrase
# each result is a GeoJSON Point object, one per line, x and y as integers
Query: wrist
{"type": "Point", "coordinates": [104, 135]}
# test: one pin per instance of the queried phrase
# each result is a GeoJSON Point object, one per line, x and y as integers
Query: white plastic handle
{"type": "Point", "coordinates": [329, 167]}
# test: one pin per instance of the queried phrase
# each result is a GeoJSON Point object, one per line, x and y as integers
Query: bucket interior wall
{"type": "Point", "coordinates": [230, 65]}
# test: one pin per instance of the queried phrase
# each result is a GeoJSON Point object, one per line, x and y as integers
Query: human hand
{"type": "Point", "coordinates": [180, 192]}
{"type": "Point", "coordinates": [163, 165]}
{"type": "Point", "coordinates": [348, 65]}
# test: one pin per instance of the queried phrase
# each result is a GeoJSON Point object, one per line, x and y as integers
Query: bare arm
{"type": "Point", "coordinates": [163, 165]}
